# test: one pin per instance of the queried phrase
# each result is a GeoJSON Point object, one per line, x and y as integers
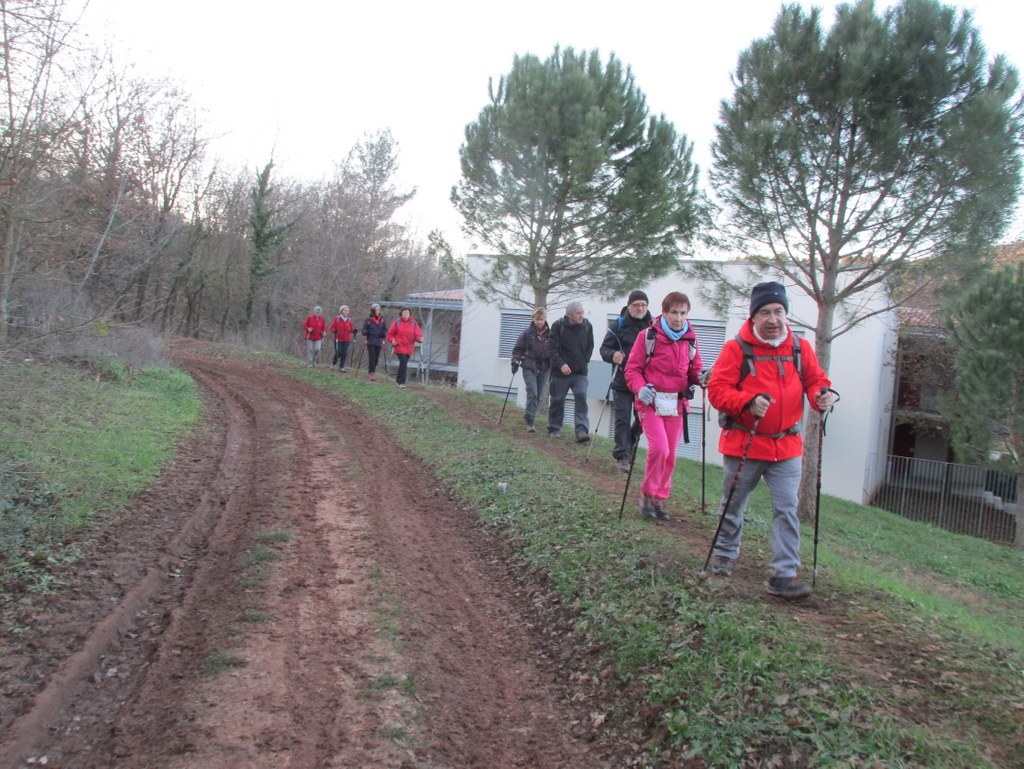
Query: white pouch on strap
{"type": "Point", "coordinates": [666, 404]}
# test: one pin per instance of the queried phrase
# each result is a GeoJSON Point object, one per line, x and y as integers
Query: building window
{"type": "Point", "coordinates": [513, 322]}
{"type": "Point", "coordinates": [710, 339]}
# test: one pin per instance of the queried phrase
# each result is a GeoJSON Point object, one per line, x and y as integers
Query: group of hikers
{"type": "Point", "coordinates": [402, 335]}
{"type": "Point", "coordinates": [758, 385]}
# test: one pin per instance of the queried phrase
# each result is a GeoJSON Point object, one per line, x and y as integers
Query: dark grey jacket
{"type": "Point", "coordinates": [622, 332]}
{"type": "Point", "coordinates": [570, 344]}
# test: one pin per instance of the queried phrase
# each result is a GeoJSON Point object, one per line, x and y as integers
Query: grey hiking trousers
{"type": "Point", "coordinates": [783, 479]}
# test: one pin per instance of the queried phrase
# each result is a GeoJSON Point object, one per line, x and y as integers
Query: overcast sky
{"type": "Point", "coordinates": [305, 79]}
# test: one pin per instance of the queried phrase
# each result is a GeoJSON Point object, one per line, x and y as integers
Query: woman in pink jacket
{"type": "Point", "coordinates": [403, 336]}
{"type": "Point", "coordinates": [662, 366]}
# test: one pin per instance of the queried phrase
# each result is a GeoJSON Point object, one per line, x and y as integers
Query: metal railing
{"type": "Point", "coordinates": [964, 499]}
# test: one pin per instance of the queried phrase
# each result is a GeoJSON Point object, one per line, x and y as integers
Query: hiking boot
{"type": "Point", "coordinates": [722, 565]}
{"type": "Point", "coordinates": [647, 508]}
{"type": "Point", "coordinates": [659, 509]}
{"type": "Point", "coordinates": [790, 588]}
{"type": "Point", "coordinates": [530, 427]}
{"type": "Point", "coordinates": [623, 464]}
{"type": "Point", "coordinates": [554, 435]}
{"type": "Point", "coordinates": [342, 369]}
{"type": "Point", "coordinates": [373, 377]}
{"type": "Point", "coordinates": [582, 436]}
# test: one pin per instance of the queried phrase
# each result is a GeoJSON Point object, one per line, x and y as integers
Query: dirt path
{"type": "Point", "coordinates": [313, 600]}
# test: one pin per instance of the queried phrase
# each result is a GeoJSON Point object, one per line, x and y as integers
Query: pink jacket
{"type": "Point", "coordinates": [670, 370]}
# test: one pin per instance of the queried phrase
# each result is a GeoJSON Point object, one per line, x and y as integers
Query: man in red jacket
{"type": "Point", "coordinates": [765, 405]}
{"type": "Point", "coordinates": [314, 329]}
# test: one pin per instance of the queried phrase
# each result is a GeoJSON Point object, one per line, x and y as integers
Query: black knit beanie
{"type": "Point", "coordinates": [767, 293]}
{"type": "Point", "coordinates": [637, 296]}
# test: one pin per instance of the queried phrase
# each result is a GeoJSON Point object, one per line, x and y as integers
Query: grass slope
{"type": "Point", "coordinates": [730, 678]}
{"type": "Point", "coordinates": [77, 443]}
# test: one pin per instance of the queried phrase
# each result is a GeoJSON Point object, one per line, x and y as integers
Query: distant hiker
{"type": "Point", "coordinates": [633, 320]}
{"type": "Point", "coordinates": [570, 345]}
{"type": "Point", "coordinates": [403, 336]}
{"type": "Point", "coordinates": [343, 329]}
{"type": "Point", "coordinates": [531, 353]}
{"type": "Point", "coordinates": [314, 329]}
{"type": "Point", "coordinates": [662, 369]}
{"type": "Point", "coordinates": [374, 332]}
{"type": "Point", "coordinates": [759, 393]}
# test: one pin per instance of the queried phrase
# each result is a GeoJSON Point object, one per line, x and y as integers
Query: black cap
{"type": "Point", "coordinates": [637, 296]}
{"type": "Point", "coordinates": [768, 293]}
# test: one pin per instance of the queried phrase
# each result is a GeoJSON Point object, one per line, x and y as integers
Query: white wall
{"type": "Point", "coordinates": [860, 370]}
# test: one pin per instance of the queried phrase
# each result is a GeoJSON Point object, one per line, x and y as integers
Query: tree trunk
{"type": "Point", "coordinates": [812, 424]}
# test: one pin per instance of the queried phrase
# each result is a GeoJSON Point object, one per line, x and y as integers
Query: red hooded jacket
{"type": "Point", "coordinates": [342, 328]}
{"type": "Point", "coordinates": [315, 327]}
{"type": "Point", "coordinates": [404, 334]}
{"type": "Point", "coordinates": [728, 394]}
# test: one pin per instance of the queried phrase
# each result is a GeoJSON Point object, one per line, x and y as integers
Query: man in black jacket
{"type": "Point", "coordinates": [571, 344]}
{"type": "Point", "coordinates": [634, 319]}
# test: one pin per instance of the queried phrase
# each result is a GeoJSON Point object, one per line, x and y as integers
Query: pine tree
{"type": "Point", "coordinates": [571, 184]}
{"type": "Point", "coordinates": [861, 163]}
{"type": "Point", "coordinates": [267, 236]}
{"type": "Point", "coordinates": [987, 413]}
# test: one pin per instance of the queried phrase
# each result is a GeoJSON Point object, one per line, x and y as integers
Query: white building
{"type": "Point", "coordinates": [861, 371]}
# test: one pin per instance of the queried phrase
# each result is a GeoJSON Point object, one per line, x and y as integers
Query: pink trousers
{"type": "Point", "coordinates": [663, 434]}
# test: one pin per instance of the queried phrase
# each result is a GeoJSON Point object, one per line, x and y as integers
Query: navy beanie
{"type": "Point", "coordinates": [767, 293]}
{"type": "Point", "coordinates": [637, 296]}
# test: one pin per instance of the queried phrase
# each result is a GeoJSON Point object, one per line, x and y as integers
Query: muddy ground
{"type": "Point", "coordinates": [294, 592]}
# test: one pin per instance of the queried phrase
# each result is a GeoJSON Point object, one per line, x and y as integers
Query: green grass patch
{"type": "Point", "coordinates": [255, 616]}
{"type": "Point", "coordinates": [731, 676]}
{"type": "Point", "coordinates": [78, 442]}
{"type": "Point", "coordinates": [259, 555]}
{"type": "Point", "coordinates": [221, 661]}
{"type": "Point", "coordinates": [278, 536]}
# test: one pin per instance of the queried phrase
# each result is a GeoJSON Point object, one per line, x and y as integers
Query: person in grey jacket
{"type": "Point", "coordinates": [570, 345]}
{"type": "Point", "coordinates": [633, 321]}
{"type": "Point", "coordinates": [531, 353]}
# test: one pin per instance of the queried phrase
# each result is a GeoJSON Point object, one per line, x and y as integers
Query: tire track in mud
{"type": "Point", "coordinates": [388, 634]}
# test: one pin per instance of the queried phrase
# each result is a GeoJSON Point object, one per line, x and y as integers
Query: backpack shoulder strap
{"type": "Point", "coordinates": [649, 338]}
{"type": "Point", "coordinates": [749, 357]}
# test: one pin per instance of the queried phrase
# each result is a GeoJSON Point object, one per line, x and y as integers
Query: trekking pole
{"type": "Point", "coordinates": [703, 574]}
{"type": "Point", "coordinates": [635, 429]}
{"type": "Point", "coordinates": [703, 445]}
{"type": "Point", "coordinates": [503, 405]}
{"type": "Point", "coordinates": [360, 361]}
{"type": "Point", "coordinates": [603, 407]}
{"type": "Point", "coordinates": [817, 494]}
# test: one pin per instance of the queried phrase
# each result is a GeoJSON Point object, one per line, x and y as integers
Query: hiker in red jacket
{"type": "Point", "coordinates": [343, 329]}
{"type": "Point", "coordinates": [314, 329]}
{"type": "Point", "coordinates": [403, 336]}
{"type": "Point", "coordinates": [759, 393]}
